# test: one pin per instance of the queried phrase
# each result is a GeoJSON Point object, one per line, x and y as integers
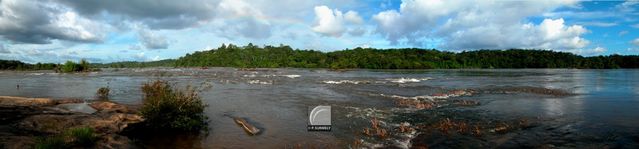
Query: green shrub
{"type": "Point", "coordinates": [71, 66]}
{"type": "Point", "coordinates": [83, 136]}
{"type": "Point", "coordinates": [51, 142]}
{"type": "Point", "coordinates": [103, 92]}
{"type": "Point", "coordinates": [168, 109]}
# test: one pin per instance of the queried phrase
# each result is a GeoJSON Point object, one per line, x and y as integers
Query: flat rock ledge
{"type": "Point", "coordinates": [23, 120]}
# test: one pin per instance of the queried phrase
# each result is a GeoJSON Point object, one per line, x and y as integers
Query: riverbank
{"type": "Point", "coordinates": [25, 121]}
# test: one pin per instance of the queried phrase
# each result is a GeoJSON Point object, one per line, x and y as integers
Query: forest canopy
{"type": "Point", "coordinates": [251, 56]}
{"type": "Point", "coordinates": [406, 58]}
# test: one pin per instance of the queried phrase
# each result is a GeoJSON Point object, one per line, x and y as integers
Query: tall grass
{"type": "Point", "coordinates": [83, 136]}
{"type": "Point", "coordinates": [169, 109]}
{"type": "Point", "coordinates": [52, 142]}
{"type": "Point", "coordinates": [71, 138]}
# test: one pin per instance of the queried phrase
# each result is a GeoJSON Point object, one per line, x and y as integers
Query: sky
{"type": "Point", "coordinates": [146, 30]}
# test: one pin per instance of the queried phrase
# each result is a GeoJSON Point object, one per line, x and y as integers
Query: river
{"type": "Point", "coordinates": [566, 107]}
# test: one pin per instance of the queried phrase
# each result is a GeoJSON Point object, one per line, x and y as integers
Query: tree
{"type": "Point", "coordinates": [84, 65]}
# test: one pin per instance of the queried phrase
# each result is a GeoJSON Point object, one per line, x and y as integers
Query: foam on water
{"type": "Point", "coordinates": [249, 76]}
{"type": "Point", "coordinates": [384, 81]}
{"type": "Point", "coordinates": [253, 75]}
{"type": "Point", "coordinates": [408, 80]}
{"type": "Point", "coordinates": [422, 97]}
{"type": "Point", "coordinates": [344, 82]}
{"type": "Point", "coordinates": [260, 82]}
{"type": "Point", "coordinates": [291, 76]}
{"type": "Point", "coordinates": [455, 93]}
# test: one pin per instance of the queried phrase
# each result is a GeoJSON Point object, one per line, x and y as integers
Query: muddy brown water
{"type": "Point", "coordinates": [579, 108]}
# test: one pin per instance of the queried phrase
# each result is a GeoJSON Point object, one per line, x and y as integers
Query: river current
{"type": "Point", "coordinates": [566, 107]}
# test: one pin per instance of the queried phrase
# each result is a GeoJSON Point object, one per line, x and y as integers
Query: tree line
{"type": "Point", "coordinates": [251, 56]}
{"type": "Point", "coordinates": [405, 58]}
{"type": "Point", "coordinates": [69, 66]}
{"type": "Point", "coordinates": [18, 65]}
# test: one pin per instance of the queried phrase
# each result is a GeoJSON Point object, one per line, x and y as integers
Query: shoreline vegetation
{"type": "Point", "coordinates": [283, 56]}
{"type": "Point", "coordinates": [76, 123]}
{"type": "Point", "coordinates": [68, 67]}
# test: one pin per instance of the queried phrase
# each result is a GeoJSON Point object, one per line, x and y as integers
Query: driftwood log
{"type": "Point", "coordinates": [250, 129]}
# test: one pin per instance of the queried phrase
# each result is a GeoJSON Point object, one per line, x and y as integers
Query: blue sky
{"type": "Point", "coordinates": [145, 30]}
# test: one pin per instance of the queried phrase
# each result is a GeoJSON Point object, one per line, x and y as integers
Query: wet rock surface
{"type": "Point", "coordinates": [456, 119]}
{"type": "Point", "coordinates": [25, 101]}
{"type": "Point", "coordinates": [26, 119]}
{"type": "Point", "coordinates": [110, 107]}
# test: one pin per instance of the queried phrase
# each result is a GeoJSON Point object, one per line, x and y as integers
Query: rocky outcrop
{"type": "Point", "coordinates": [25, 119]}
{"type": "Point", "coordinates": [110, 107]}
{"type": "Point", "coordinates": [56, 123]}
{"type": "Point", "coordinates": [25, 101]}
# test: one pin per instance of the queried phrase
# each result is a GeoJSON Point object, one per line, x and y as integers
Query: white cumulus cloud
{"type": "Point", "coordinates": [589, 52]}
{"type": "Point", "coordinates": [635, 42]}
{"type": "Point", "coordinates": [600, 50]}
{"type": "Point", "coordinates": [353, 17]}
{"type": "Point", "coordinates": [487, 25]}
{"type": "Point", "coordinates": [334, 23]}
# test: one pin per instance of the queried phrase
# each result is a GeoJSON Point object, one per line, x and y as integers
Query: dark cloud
{"type": "Point", "coordinates": [40, 22]}
{"type": "Point", "coordinates": [157, 14]}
